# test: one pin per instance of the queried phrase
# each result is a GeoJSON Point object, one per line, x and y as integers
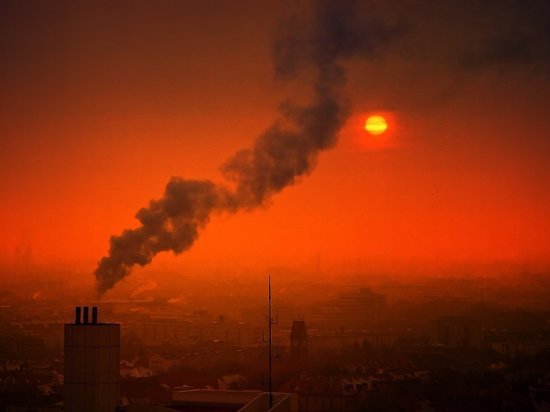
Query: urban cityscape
{"type": "Point", "coordinates": [436, 344]}
{"type": "Point", "coordinates": [274, 206]}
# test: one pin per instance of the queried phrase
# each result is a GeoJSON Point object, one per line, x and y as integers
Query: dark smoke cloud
{"type": "Point", "coordinates": [327, 32]}
{"type": "Point", "coordinates": [474, 35]}
{"type": "Point", "coordinates": [525, 43]}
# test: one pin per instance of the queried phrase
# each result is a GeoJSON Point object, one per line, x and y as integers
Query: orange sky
{"type": "Point", "coordinates": [101, 104]}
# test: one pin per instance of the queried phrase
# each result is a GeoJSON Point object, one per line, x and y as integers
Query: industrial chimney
{"type": "Point", "coordinates": [86, 311]}
{"type": "Point", "coordinates": [77, 315]}
{"type": "Point", "coordinates": [92, 357]}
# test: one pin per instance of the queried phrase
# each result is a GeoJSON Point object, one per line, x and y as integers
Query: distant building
{"type": "Point", "coordinates": [514, 345]}
{"type": "Point", "coordinates": [458, 332]}
{"type": "Point", "coordinates": [354, 390]}
{"type": "Point", "coordinates": [352, 311]}
{"type": "Point", "coordinates": [158, 332]}
{"type": "Point", "coordinates": [92, 356]}
{"type": "Point", "coordinates": [298, 341]}
{"type": "Point", "coordinates": [233, 382]}
{"type": "Point", "coordinates": [338, 340]}
{"type": "Point", "coordinates": [162, 363]}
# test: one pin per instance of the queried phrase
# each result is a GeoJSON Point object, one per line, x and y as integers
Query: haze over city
{"type": "Point", "coordinates": [386, 163]}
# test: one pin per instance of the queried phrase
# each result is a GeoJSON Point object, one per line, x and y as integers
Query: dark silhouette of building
{"type": "Point", "coordinates": [458, 332]}
{"type": "Point", "coordinates": [357, 310]}
{"type": "Point", "coordinates": [92, 357]}
{"type": "Point", "coordinates": [298, 340]}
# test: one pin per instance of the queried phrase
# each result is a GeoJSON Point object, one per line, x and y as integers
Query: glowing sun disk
{"type": "Point", "coordinates": [376, 125]}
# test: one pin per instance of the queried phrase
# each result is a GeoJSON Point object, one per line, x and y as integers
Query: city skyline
{"type": "Point", "coordinates": [313, 205]}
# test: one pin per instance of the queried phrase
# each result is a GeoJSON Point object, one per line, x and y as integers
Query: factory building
{"type": "Point", "coordinates": [92, 356]}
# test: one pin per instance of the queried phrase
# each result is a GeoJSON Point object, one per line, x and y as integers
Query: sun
{"type": "Point", "coordinates": [376, 125]}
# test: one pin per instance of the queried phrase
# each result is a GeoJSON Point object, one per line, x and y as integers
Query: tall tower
{"type": "Point", "coordinates": [92, 357]}
{"type": "Point", "coordinates": [298, 341]}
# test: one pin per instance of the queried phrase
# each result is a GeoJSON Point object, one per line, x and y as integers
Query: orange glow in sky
{"type": "Point", "coordinates": [101, 106]}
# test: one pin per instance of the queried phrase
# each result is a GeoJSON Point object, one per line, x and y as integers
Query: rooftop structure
{"type": "Point", "coordinates": [208, 400]}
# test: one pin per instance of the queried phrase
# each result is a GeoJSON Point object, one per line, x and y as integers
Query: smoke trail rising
{"type": "Point", "coordinates": [329, 32]}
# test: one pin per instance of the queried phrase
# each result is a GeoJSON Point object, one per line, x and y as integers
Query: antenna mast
{"type": "Point", "coordinates": [270, 340]}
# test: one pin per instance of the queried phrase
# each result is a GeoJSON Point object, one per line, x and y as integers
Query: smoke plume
{"type": "Point", "coordinates": [319, 38]}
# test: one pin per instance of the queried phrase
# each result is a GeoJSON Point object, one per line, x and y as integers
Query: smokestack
{"type": "Point", "coordinates": [91, 367]}
{"type": "Point", "coordinates": [94, 315]}
{"type": "Point", "coordinates": [77, 311]}
{"type": "Point", "coordinates": [86, 310]}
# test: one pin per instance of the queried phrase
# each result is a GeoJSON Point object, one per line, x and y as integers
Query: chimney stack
{"type": "Point", "coordinates": [77, 311]}
{"type": "Point", "coordinates": [91, 370]}
{"type": "Point", "coordinates": [86, 311]}
{"type": "Point", "coordinates": [94, 315]}
{"type": "Point", "coordinates": [82, 315]}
